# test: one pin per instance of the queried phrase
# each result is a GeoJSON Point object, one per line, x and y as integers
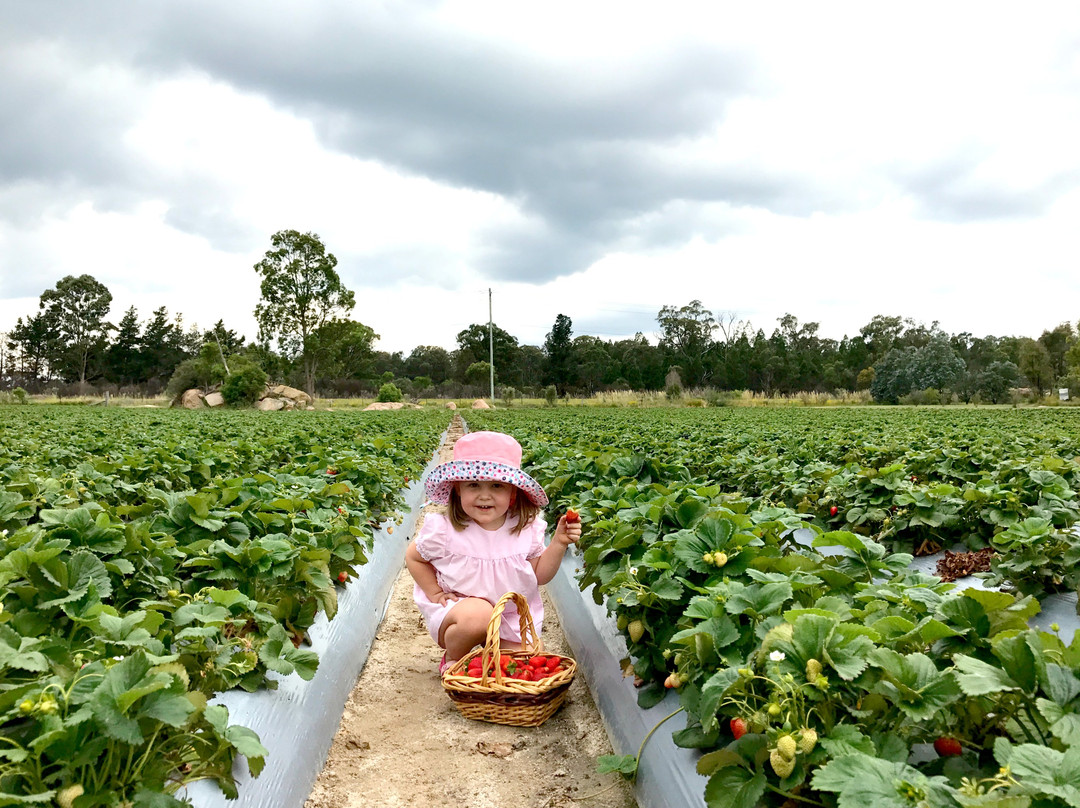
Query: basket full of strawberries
{"type": "Point", "coordinates": [520, 688]}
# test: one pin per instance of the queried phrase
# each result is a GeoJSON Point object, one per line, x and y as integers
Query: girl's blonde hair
{"type": "Point", "coordinates": [522, 507]}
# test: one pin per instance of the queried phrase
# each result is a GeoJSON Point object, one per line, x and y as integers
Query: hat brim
{"type": "Point", "coordinates": [442, 478]}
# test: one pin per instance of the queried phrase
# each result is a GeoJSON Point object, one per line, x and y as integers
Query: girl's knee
{"type": "Point", "coordinates": [474, 611]}
{"type": "Point", "coordinates": [469, 616]}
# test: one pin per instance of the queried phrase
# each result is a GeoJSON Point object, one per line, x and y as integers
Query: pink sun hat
{"type": "Point", "coordinates": [483, 456]}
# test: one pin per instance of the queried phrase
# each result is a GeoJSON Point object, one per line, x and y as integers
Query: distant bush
{"type": "Point", "coordinates": [673, 392]}
{"type": "Point", "coordinates": [20, 395]}
{"type": "Point", "coordinates": [389, 392]}
{"type": "Point", "coordinates": [246, 383]}
{"type": "Point", "coordinates": [551, 395]}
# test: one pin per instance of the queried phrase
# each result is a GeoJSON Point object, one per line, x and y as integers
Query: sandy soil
{"type": "Point", "coordinates": [402, 742]}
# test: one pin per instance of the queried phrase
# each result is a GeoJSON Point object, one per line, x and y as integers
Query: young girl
{"type": "Point", "coordinates": [490, 542]}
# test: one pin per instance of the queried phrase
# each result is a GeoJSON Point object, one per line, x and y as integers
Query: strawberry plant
{"type": "Point", "coordinates": [833, 674]}
{"type": "Point", "coordinates": [148, 562]}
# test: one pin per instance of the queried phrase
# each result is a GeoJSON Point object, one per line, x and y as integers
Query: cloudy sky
{"type": "Point", "coordinates": [596, 159]}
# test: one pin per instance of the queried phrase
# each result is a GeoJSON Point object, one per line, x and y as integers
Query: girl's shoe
{"type": "Point", "coordinates": [443, 665]}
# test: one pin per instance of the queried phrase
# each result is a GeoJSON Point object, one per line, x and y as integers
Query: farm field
{"type": "Point", "coordinates": [826, 671]}
{"type": "Point", "coordinates": [149, 560]}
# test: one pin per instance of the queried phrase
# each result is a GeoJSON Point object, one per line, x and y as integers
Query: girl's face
{"type": "Point", "coordinates": [486, 501]}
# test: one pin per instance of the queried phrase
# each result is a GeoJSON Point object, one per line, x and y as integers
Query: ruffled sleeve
{"type": "Point", "coordinates": [431, 539]}
{"type": "Point", "coordinates": [536, 530]}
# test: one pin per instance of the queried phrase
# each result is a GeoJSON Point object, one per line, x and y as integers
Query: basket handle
{"type": "Point", "coordinates": [527, 629]}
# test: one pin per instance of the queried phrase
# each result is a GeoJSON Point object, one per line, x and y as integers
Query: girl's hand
{"type": "Point", "coordinates": [567, 533]}
{"type": "Point", "coordinates": [442, 597]}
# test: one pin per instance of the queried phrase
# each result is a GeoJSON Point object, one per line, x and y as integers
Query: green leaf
{"type": "Point", "coordinates": [914, 683]}
{"type": "Point", "coordinates": [734, 787]}
{"type": "Point", "coordinates": [978, 678]}
{"type": "Point", "coordinates": [1047, 770]}
{"type": "Point", "coordinates": [689, 512]}
{"type": "Point", "coordinates": [712, 693]}
{"type": "Point", "coordinates": [1061, 684]}
{"type": "Point", "coordinates": [844, 739]}
{"type": "Point", "coordinates": [1064, 724]}
{"type": "Point", "coordinates": [623, 764]}
{"type": "Point", "coordinates": [712, 762]}
{"type": "Point", "coordinates": [840, 538]}
{"type": "Point", "coordinates": [861, 781]}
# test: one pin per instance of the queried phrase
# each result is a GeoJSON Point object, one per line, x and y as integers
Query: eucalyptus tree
{"type": "Point", "coordinates": [301, 292]}
{"type": "Point", "coordinates": [75, 310]}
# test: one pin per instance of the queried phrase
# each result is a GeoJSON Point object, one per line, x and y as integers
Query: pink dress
{"type": "Point", "coordinates": [484, 564]}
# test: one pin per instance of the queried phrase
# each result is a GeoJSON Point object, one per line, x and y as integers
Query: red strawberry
{"type": "Point", "coordinates": [738, 727]}
{"type": "Point", "coordinates": [342, 577]}
{"type": "Point", "coordinates": [833, 511]}
{"type": "Point", "coordinates": [572, 515]}
{"type": "Point", "coordinates": [948, 747]}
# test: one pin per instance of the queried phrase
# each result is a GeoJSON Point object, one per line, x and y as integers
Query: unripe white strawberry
{"type": "Point", "coordinates": [781, 765]}
{"type": "Point", "coordinates": [66, 796]}
{"type": "Point", "coordinates": [807, 741]}
{"type": "Point", "coordinates": [787, 747]}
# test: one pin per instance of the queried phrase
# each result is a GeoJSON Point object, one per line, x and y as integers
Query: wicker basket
{"type": "Point", "coordinates": [502, 700]}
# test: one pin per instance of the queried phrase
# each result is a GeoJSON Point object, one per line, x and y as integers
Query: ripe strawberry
{"type": "Point", "coordinates": [572, 515]}
{"type": "Point", "coordinates": [538, 662]}
{"type": "Point", "coordinates": [833, 511]}
{"type": "Point", "coordinates": [948, 747]}
{"type": "Point", "coordinates": [342, 577]}
{"type": "Point", "coordinates": [738, 727]}
{"type": "Point", "coordinates": [406, 478]}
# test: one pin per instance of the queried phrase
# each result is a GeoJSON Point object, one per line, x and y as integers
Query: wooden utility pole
{"type": "Point", "coordinates": [491, 349]}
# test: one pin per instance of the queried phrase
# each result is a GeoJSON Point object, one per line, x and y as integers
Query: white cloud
{"type": "Point", "coordinates": [833, 161]}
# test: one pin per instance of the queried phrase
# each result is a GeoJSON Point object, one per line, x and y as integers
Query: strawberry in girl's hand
{"type": "Point", "coordinates": [572, 515]}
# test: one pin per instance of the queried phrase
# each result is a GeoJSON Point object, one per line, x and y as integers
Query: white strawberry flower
{"type": "Point", "coordinates": [777, 656]}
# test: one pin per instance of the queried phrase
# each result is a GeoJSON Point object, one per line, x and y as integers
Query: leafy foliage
{"type": "Point", "coordinates": [839, 660]}
{"type": "Point", "coordinates": [151, 560]}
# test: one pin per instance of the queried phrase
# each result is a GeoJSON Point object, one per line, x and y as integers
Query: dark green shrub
{"type": "Point", "coordinates": [245, 385]}
{"type": "Point", "coordinates": [389, 392]}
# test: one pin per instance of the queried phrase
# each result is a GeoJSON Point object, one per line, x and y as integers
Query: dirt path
{"type": "Point", "coordinates": [402, 742]}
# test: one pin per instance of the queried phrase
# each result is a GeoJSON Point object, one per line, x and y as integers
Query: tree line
{"type": "Point", "coordinates": [307, 338]}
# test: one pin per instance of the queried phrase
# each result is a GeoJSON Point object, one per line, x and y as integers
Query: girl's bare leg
{"type": "Point", "coordinates": [465, 626]}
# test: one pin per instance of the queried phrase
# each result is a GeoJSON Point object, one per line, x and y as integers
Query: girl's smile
{"type": "Point", "coordinates": [486, 501]}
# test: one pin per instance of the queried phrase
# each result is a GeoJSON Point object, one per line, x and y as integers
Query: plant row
{"type": "Point", "coordinates": [917, 480]}
{"type": "Point", "coordinates": [836, 679]}
{"type": "Point", "coordinates": [149, 561]}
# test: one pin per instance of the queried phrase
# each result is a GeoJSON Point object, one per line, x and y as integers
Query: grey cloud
{"type": "Point", "coordinates": [618, 324]}
{"type": "Point", "coordinates": [950, 189]}
{"type": "Point", "coordinates": [589, 151]}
